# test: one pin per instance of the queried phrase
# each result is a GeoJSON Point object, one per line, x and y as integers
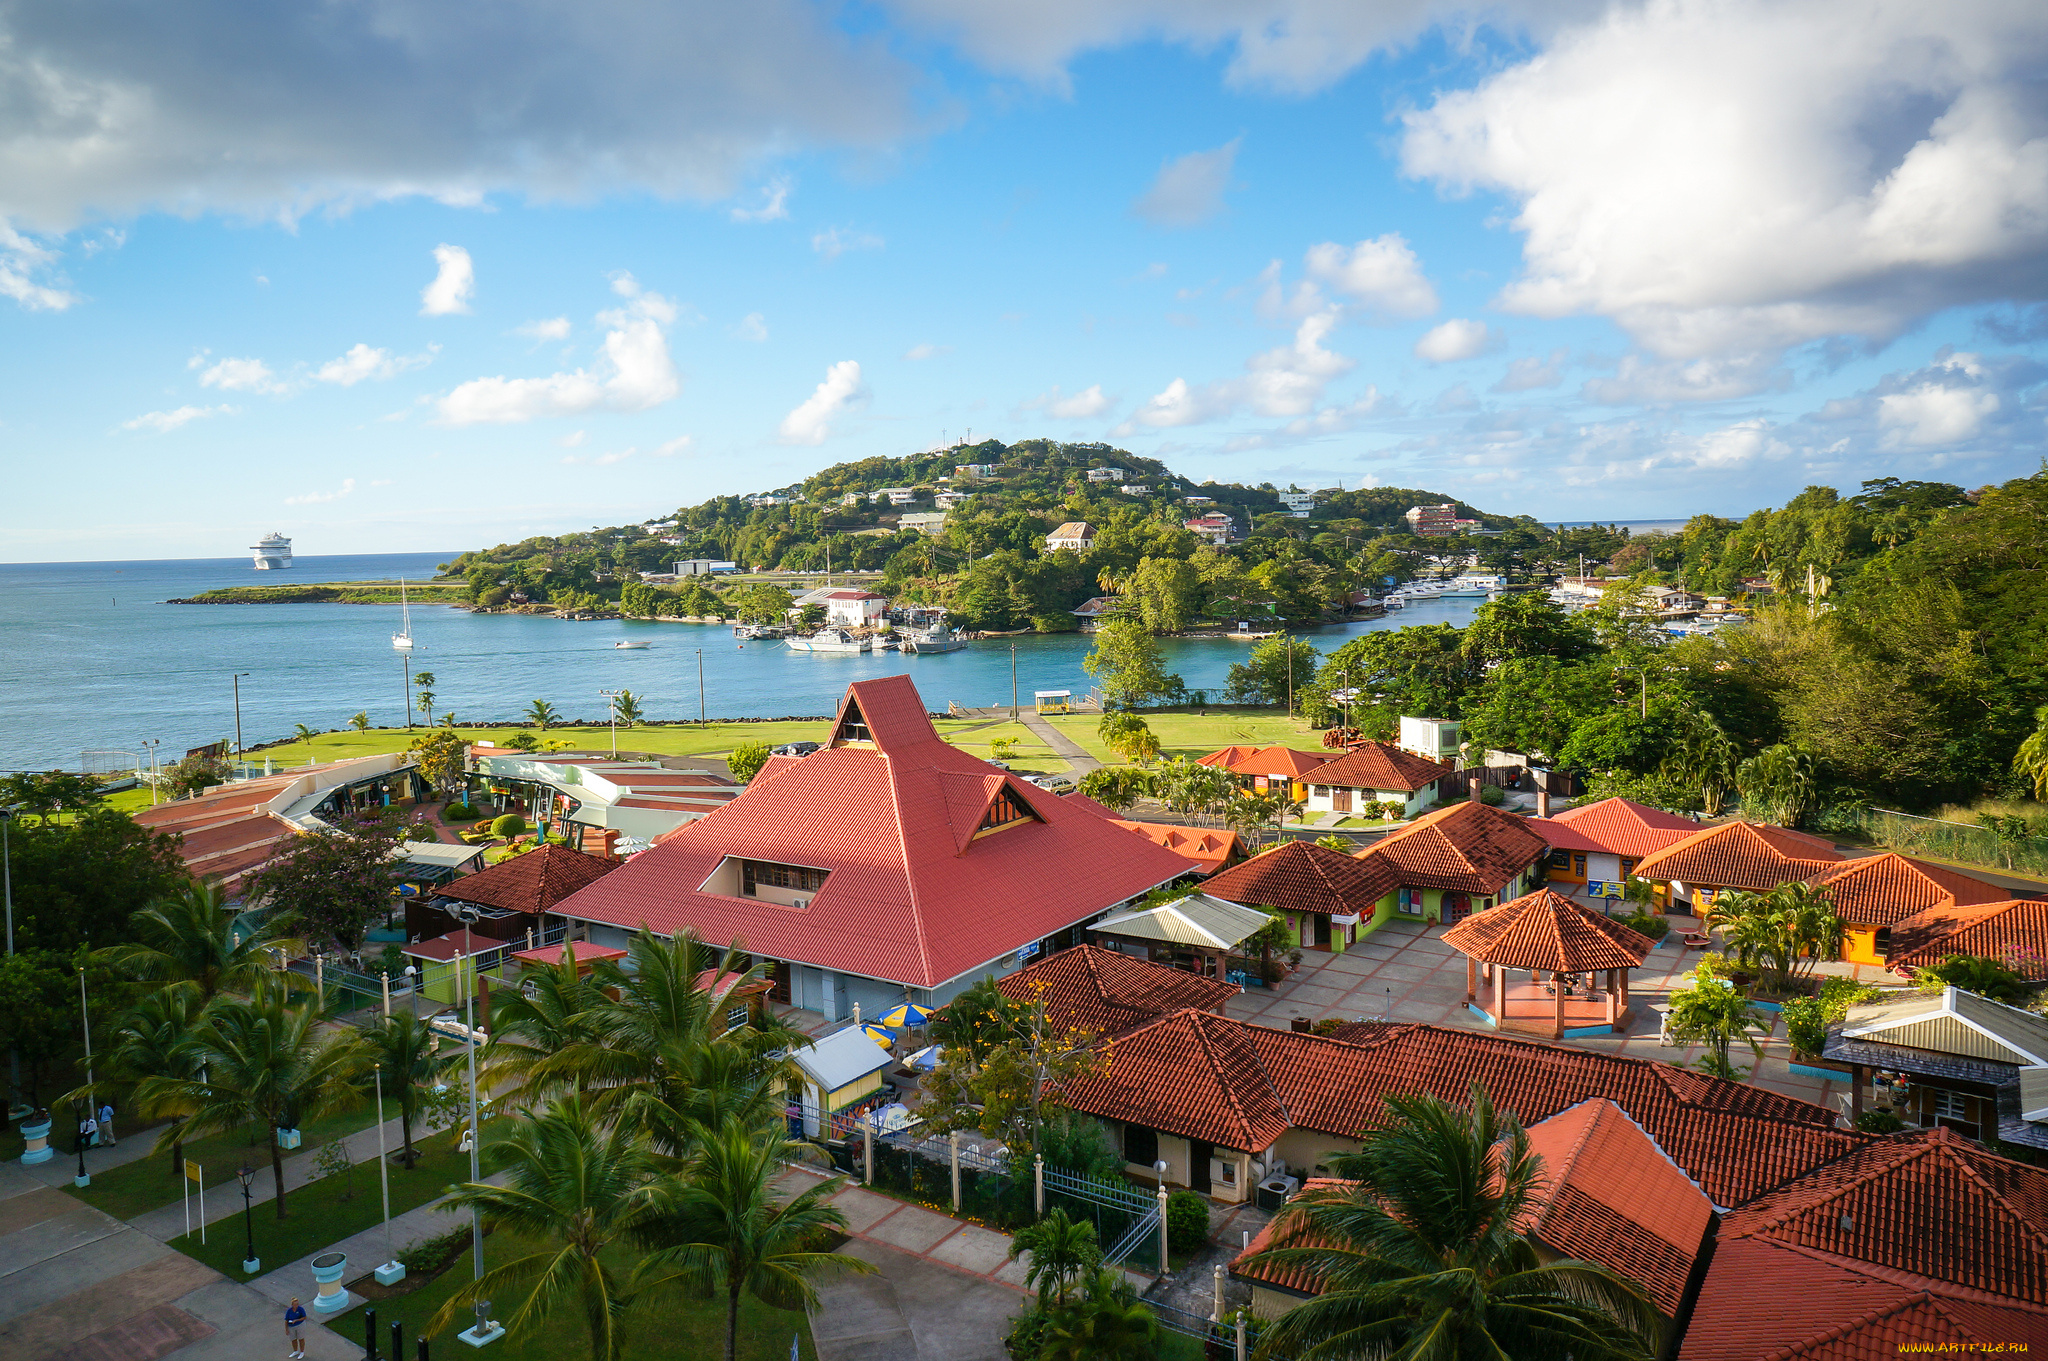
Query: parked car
{"type": "Point", "coordinates": [1053, 784]}
{"type": "Point", "coordinates": [1000, 765]}
{"type": "Point", "coordinates": [795, 749]}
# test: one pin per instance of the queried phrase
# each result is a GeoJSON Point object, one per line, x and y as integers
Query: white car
{"type": "Point", "coordinates": [1053, 784]}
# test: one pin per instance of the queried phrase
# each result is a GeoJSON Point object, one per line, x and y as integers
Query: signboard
{"type": "Point", "coordinates": [1026, 953]}
{"type": "Point", "coordinates": [1604, 888]}
{"type": "Point", "coordinates": [193, 1172]}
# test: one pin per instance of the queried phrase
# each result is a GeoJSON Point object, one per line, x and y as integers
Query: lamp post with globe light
{"type": "Point", "coordinates": [251, 1264]}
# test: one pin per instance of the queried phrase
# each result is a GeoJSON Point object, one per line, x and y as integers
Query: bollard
{"type": "Point", "coordinates": [370, 1334]}
{"type": "Point", "coordinates": [423, 1351]}
{"type": "Point", "coordinates": [867, 1149]}
{"type": "Point", "coordinates": [1038, 1183]}
{"type": "Point", "coordinates": [1215, 1317]}
{"type": "Point", "coordinates": [1240, 1335]}
{"type": "Point", "coordinates": [1164, 1265]}
{"type": "Point", "coordinates": [398, 1338]}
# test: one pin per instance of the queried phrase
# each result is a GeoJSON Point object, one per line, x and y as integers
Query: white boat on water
{"type": "Point", "coordinates": [624, 644]}
{"type": "Point", "coordinates": [402, 640]}
{"type": "Point", "coordinates": [829, 640]}
{"type": "Point", "coordinates": [931, 641]}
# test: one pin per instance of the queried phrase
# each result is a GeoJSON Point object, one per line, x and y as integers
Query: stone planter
{"type": "Point", "coordinates": [38, 1139]}
{"type": "Point", "coordinates": [288, 1139]}
{"type": "Point", "coordinates": [391, 1273]}
{"type": "Point", "coordinates": [328, 1269]}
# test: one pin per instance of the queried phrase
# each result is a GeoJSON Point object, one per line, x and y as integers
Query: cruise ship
{"type": "Point", "coordinates": [273, 552]}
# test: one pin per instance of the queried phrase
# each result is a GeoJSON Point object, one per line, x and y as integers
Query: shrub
{"type": "Point", "coordinates": [1392, 810]}
{"type": "Point", "coordinates": [522, 740]}
{"type": "Point", "coordinates": [1808, 1018]}
{"type": "Point", "coordinates": [458, 812]}
{"type": "Point", "coordinates": [1879, 1122]}
{"type": "Point", "coordinates": [1028, 1333]}
{"type": "Point", "coordinates": [746, 760]}
{"type": "Point", "coordinates": [426, 1258]}
{"type": "Point", "coordinates": [1187, 1222]}
{"type": "Point", "coordinates": [419, 831]}
{"type": "Point", "coordinates": [1493, 796]}
{"type": "Point", "coordinates": [510, 824]}
{"type": "Point", "coordinates": [1647, 924]}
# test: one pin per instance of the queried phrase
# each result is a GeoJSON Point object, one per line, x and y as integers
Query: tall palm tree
{"type": "Point", "coordinates": [303, 733]}
{"type": "Point", "coordinates": [628, 705]}
{"type": "Point", "coordinates": [1425, 1256]}
{"type": "Point", "coordinates": [1062, 1251]}
{"type": "Point", "coordinates": [1105, 1323]}
{"type": "Point", "coordinates": [542, 1033]}
{"type": "Point", "coordinates": [155, 1038]}
{"type": "Point", "coordinates": [188, 941]}
{"type": "Point", "coordinates": [724, 1228]}
{"type": "Point", "coordinates": [577, 1186]}
{"type": "Point", "coordinates": [406, 1049]}
{"type": "Point", "coordinates": [265, 1061]}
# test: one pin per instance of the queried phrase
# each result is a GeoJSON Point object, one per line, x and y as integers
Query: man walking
{"type": "Point", "coordinates": [107, 1123]}
{"type": "Point", "coordinates": [295, 1328]}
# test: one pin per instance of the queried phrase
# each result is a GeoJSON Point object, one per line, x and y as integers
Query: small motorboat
{"type": "Point", "coordinates": [625, 645]}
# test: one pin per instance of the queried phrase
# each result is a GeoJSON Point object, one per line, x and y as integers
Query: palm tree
{"type": "Point", "coordinates": [1711, 1011]}
{"type": "Point", "coordinates": [302, 733]}
{"type": "Point", "coordinates": [725, 1228]}
{"type": "Point", "coordinates": [1425, 1255]}
{"type": "Point", "coordinates": [1062, 1250]}
{"type": "Point", "coordinates": [264, 1061]}
{"type": "Point", "coordinates": [542, 1032]}
{"type": "Point", "coordinates": [2030, 762]}
{"type": "Point", "coordinates": [360, 720]}
{"type": "Point", "coordinates": [188, 941]}
{"type": "Point", "coordinates": [1106, 1323]}
{"type": "Point", "coordinates": [577, 1187]}
{"type": "Point", "coordinates": [1779, 929]}
{"type": "Point", "coordinates": [425, 699]}
{"type": "Point", "coordinates": [404, 1047]}
{"type": "Point", "coordinates": [540, 713]}
{"type": "Point", "coordinates": [154, 1038]}
{"type": "Point", "coordinates": [627, 705]}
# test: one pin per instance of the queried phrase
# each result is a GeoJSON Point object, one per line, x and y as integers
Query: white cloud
{"type": "Point", "coordinates": [1285, 381]}
{"type": "Point", "coordinates": [679, 445]}
{"type": "Point", "coordinates": [810, 421]}
{"type": "Point", "coordinates": [1740, 176]}
{"type": "Point", "coordinates": [753, 326]}
{"type": "Point", "coordinates": [20, 261]}
{"type": "Point", "coordinates": [1381, 275]}
{"type": "Point", "coordinates": [635, 373]}
{"type": "Point", "coordinates": [574, 439]}
{"type": "Point", "coordinates": [362, 362]}
{"type": "Point", "coordinates": [774, 204]}
{"type": "Point", "coordinates": [163, 422]}
{"type": "Point", "coordinates": [1338, 420]}
{"type": "Point", "coordinates": [241, 375]}
{"type": "Point", "coordinates": [1189, 189]}
{"type": "Point", "coordinates": [1532, 372]}
{"type": "Point", "coordinates": [1458, 338]}
{"type": "Point", "coordinates": [834, 242]}
{"type": "Point", "coordinates": [1932, 413]}
{"type": "Point", "coordinates": [551, 328]}
{"type": "Point", "coordinates": [1079, 406]}
{"type": "Point", "coordinates": [927, 350]}
{"type": "Point", "coordinates": [1639, 380]}
{"type": "Point", "coordinates": [454, 281]}
{"type": "Point", "coordinates": [315, 498]}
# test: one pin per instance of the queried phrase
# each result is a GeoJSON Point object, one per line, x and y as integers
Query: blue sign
{"type": "Point", "coordinates": [1026, 953]}
{"type": "Point", "coordinates": [1604, 888]}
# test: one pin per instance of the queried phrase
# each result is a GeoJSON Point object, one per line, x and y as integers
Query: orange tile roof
{"type": "Point", "coordinates": [1932, 1204]}
{"type": "Point", "coordinates": [1624, 827]}
{"type": "Point", "coordinates": [1544, 930]}
{"type": "Point", "coordinates": [1300, 876]}
{"type": "Point", "coordinates": [1086, 987]}
{"type": "Point", "coordinates": [1381, 765]}
{"type": "Point", "coordinates": [2015, 930]}
{"type": "Point", "coordinates": [1466, 848]}
{"type": "Point", "coordinates": [1883, 890]}
{"type": "Point", "coordinates": [1919, 1323]}
{"type": "Point", "coordinates": [1226, 757]}
{"type": "Point", "coordinates": [1278, 760]}
{"type": "Point", "coordinates": [1612, 1196]}
{"type": "Point", "coordinates": [531, 883]}
{"type": "Point", "coordinates": [1562, 836]}
{"type": "Point", "coordinates": [1207, 851]}
{"type": "Point", "coordinates": [1292, 1278]}
{"type": "Point", "coordinates": [1742, 855]}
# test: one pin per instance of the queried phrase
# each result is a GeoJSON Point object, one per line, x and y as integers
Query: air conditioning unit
{"type": "Point", "coordinates": [801, 902]}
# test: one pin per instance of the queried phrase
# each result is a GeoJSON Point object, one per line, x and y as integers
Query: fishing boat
{"type": "Point", "coordinates": [626, 645]}
{"type": "Point", "coordinates": [402, 640]}
{"type": "Point", "coordinates": [829, 640]}
{"type": "Point", "coordinates": [930, 641]}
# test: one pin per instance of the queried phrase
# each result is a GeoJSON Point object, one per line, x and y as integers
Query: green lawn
{"type": "Point", "coordinates": [1201, 731]}
{"type": "Point", "coordinates": [150, 1183]}
{"type": "Point", "coordinates": [327, 1211]}
{"type": "Point", "coordinates": [665, 1331]}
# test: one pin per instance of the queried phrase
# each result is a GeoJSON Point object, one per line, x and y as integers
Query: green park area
{"type": "Point", "coordinates": [1197, 732]}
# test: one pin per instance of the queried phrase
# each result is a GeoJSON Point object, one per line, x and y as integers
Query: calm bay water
{"type": "Point", "coordinates": [91, 659]}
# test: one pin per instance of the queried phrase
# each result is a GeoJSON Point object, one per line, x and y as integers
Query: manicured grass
{"type": "Point", "coordinates": [151, 1183]}
{"type": "Point", "coordinates": [1197, 732]}
{"type": "Point", "coordinates": [667, 1330]}
{"type": "Point", "coordinates": [317, 1214]}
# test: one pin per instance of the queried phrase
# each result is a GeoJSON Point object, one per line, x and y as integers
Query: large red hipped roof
{"type": "Point", "coordinates": [912, 895]}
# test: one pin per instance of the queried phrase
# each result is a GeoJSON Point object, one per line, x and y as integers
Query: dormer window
{"type": "Point", "coordinates": [756, 875]}
{"type": "Point", "coordinates": [852, 726]}
{"type": "Point", "coordinates": [1005, 811]}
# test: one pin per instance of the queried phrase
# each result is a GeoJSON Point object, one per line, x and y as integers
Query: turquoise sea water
{"type": "Point", "coordinates": [91, 660]}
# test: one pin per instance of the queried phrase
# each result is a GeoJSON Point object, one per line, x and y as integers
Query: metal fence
{"type": "Point", "coordinates": [1912, 834]}
{"type": "Point", "coordinates": [1219, 1338]}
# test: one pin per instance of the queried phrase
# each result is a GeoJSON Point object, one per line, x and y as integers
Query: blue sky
{"type": "Point", "coordinates": [400, 284]}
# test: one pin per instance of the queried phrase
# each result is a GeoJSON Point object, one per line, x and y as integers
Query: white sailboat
{"type": "Point", "coordinates": [402, 640]}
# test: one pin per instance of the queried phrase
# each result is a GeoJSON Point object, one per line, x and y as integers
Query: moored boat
{"type": "Point", "coordinates": [829, 640]}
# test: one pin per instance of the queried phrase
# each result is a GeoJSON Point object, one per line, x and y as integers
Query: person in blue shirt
{"type": "Point", "coordinates": [295, 1328]}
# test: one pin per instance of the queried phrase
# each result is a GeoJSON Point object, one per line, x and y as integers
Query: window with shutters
{"type": "Point", "coordinates": [758, 874]}
{"type": "Point", "coordinates": [1005, 810]}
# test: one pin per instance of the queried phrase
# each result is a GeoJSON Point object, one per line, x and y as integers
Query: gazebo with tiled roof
{"type": "Point", "coordinates": [1546, 933]}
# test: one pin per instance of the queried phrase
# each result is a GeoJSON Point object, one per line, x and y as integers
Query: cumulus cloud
{"type": "Point", "coordinates": [315, 498]}
{"type": "Point", "coordinates": [455, 280]}
{"type": "Point", "coordinates": [1945, 407]}
{"type": "Point", "coordinates": [1077, 406]}
{"type": "Point", "coordinates": [1637, 380]}
{"type": "Point", "coordinates": [1458, 338]}
{"type": "Point", "coordinates": [362, 362]}
{"type": "Point", "coordinates": [841, 392]}
{"type": "Point", "coordinates": [1381, 275]}
{"type": "Point", "coordinates": [21, 262]}
{"type": "Point", "coordinates": [163, 422]}
{"type": "Point", "coordinates": [1189, 189]}
{"type": "Point", "coordinates": [634, 374]}
{"type": "Point", "coordinates": [1285, 381]}
{"type": "Point", "coordinates": [834, 242]}
{"type": "Point", "coordinates": [774, 204]}
{"type": "Point", "coordinates": [552, 328]}
{"type": "Point", "coordinates": [1744, 176]}
{"type": "Point", "coordinates": [240, 375]}
{"type": "Point", "coordinates": [753, 326]}
{"type": "Point", "coordinates": [1338, 420]}
{"type": "Point", "coordinates": [115, 109]}
{"type": "Point", "coordinates": [673, 447]}
{"type": "Point", "coordinates": [1532, 372]}
{"type": "Point", "coordinates": [926, 350]}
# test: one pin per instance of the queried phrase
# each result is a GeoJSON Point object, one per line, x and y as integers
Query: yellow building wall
{"type": "Point", "coordinates": [1304, 1149]}
{"type": "Point", "coordinates": [1859, 945]}
{"type": "Point", "coordinates": [854, 1091]}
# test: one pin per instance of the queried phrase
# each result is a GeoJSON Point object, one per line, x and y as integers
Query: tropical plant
{"type": "Point", "coordinates": [626, 705]}
{"type": "Point", "coordinates": [153, 1038]}
{"type": "Point", "coordinates": [1992, 978]}
{"type": "Point", "coordinates": [1779, 784]}
{"type": "Point", "coordinates": [2030, 761]}
{"type": "Point", "coordinates": [723, 1227]}
{"type": "Point", "coordinates": [425, 698]}
{"type": "Point", "coordinates": [542, 715]}
{"type": "Point", "coordinates": [522, 741]}
{"type": "Point", "coordinates": [509, 824]}
{"type": "Point", "coordinates": [1007, 1066]}
{"type": "Point", "coordinates": [188, 941]}
{"type": "Point", "coordinates": [1117, 787]}
{"type": "Point", "coordinates": [1787, 930]}
{"type": "Point", "coordinates": [405, 1050]}
{"type": "Point", "coordinates": [440, 756]}
{"type": "Point", "coordinates": [1062, 1251]}
{"type": "Point", "coordinates": [1712, 1012]}
{"type": "Point", "coordinates": [331, 884]}
{"type": "Point", "coordinates": [302, 733]}
{"type": "Point", "coordinates": [1807, 1019]}
{"type": "Point", "coordinates": [1704, 758]}
{"type": "Point", "coordinates": [265, 1061]}
{"type": "Point", "coordinates": [1128, 665]}
{"type": "Point", "coordinates": [360, 720]}
{"type": "Point", "coordinates": [1002, 749]}
{"type": "Point", "coordinates": [1879, 1122]}
{"type": "Point", "coordinates": [1128, 735]}
{"type": "Point", "coordinates": [575, 1187]}
{"type": "Point", "coordinates": [1426, 1256]}
{"type": "Point", "coordinates": [746, 759]}
{"type": "Point", "coordinates": [1333, 842]}
{"type": "Point", "coordinates": [2010, 831]}
{"type": "Point", "coordinates": [1187, 1222]}
{"type": "Point", "coordinates": [1105, 1322]}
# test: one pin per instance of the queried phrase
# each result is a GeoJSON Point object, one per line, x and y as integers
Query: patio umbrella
{"type": "Point", "coordinates": [909, 1014]}
{"type": "Point", "coordinates": [925, 1059]}
{"type": "Point", "coordinates": [891, 1118]}
{"type": "Point", "coordinates": [880, 1034]}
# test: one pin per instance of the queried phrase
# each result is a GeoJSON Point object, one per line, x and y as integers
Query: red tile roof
{"type": "Point", "coordinates": [533, 882]}
{"type": "Point", "coordinates": [1623, 827]}
{"type": "Point", "coordinates": [913, 895]}
{"type": "Point", "coordinates": [582, 951]}
{"type": "Point", "coordinates": [1082, 801]}
{"type": "Point", "coordinates": [1612, 1196]}
{"type": "Point", "coordinates": [1931, 1204]}
{"type": "Point", "coordinates": [1293, 1278]}
{"type": "Point", "coordinates": [1920, 1323]}
{"type": "Point", "coordinates": [1734, 1139]}
{"type": "Point", "coordinates": [2015, 931]}
{"type": "Point", "coordinates": [1089, 988]}
{"type": "Point", "coordinates": [1278, 760]}
{"type": "Point", "coordinates": [1380, 765]}
{"type": "Point", "coordinates": [1466, 848]}
{"type": "Point", "coordinates": [1205, 851]}
{"type": "Point", "coordinates": [1227, 757]}
{"type": "Point", "coordinates": [1744, 855]}
{"type": "Point", "coordinates": [1300, 876]}
{"type": "Point", "coordinates": [1561, 836]}
{"type": "Point", "coordinates": [1544, 930]}
{"type": "Point", "coordinates": [1883, 890]}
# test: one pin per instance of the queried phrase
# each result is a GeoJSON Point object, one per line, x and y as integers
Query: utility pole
{"type": "Point", "coordinates": [1287, 641]}
{"type": "Point", "coordinates": [1013, 682]}
{"type": "Point", "coordinates": [7, 887]}
{"type": "Point", "coordinates": [700, 688]}
{"type": "Point", "coordinates": [151, 745]}
{"type": "Point", "coordinates": [238, 714]}
{"type": "Point", "coordinates": [476, 1135]}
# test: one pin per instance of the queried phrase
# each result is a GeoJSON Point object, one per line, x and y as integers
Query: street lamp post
{"type": "Point", "coordinates": [250, 1263]}
{"type": "Point", "coordinates": [238, 714]}
{"type": "Point", "coordinates": [152, 743]}
{"type": "Point", "coordinates": [700, 687]}
{"type": "Point", "coordinates": [612, 710]}
{"type": "Point", "coordinates": [78, 1144]}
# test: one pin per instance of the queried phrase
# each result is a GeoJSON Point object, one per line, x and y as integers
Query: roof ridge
{"type": "Point", "coordinates": [911, 875]}
{"type": "Point", "coordinates": [1201, 1021]}
{"type": "Point", "coordinates": [1838, 1331]}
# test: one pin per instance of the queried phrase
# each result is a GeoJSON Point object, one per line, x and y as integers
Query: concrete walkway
{"type": "Point", "coordinates": [1079, 762]}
